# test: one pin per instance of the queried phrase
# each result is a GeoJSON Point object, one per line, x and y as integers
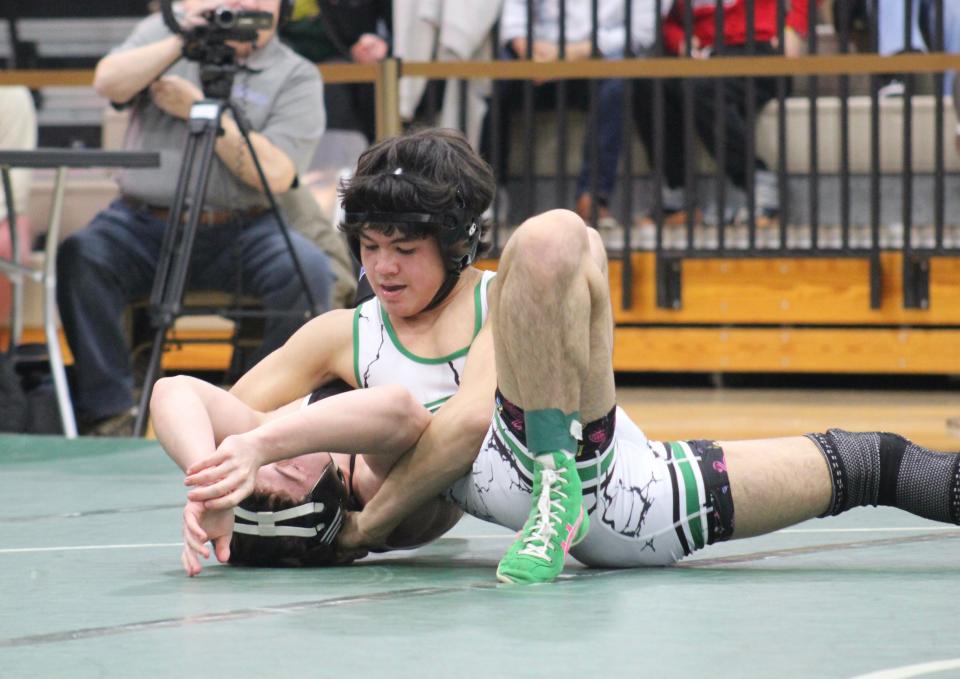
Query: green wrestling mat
{"type": "Point", "coordinates": [91, 586]}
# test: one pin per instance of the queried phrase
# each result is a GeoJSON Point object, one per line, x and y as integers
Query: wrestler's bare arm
{"type": "Point", "coordinates": [191, 418]}
{"type": "Point", "coordinates": [320, 351]}
{"type": "Point", "coordinates": [445, 451]}
{"type": "Point", "coordinates": [384, 420]}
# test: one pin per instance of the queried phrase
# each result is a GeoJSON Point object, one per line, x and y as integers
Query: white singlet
{"type": "Point", "coordinates": [653, 505]}
{"type": "Point", "coordinates": [379, 357]}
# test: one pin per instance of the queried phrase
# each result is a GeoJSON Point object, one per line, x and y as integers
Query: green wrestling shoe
{"type": "Point", "coordinates": [556, 523]}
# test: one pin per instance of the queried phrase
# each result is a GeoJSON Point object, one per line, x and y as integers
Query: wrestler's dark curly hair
{"type": "Point", "coordinates": [430, 170]}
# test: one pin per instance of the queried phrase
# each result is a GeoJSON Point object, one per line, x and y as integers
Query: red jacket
{"type": "Point", "coordinates": [734, 22]}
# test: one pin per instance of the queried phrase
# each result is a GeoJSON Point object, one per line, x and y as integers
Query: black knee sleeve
{"type": "Point", "coordinates": [874, 468]}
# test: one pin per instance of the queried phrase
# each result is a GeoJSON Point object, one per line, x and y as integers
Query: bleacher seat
{"type": "Point", "coordinates": [798, 134]}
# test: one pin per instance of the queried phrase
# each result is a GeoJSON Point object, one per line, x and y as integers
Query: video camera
{"type": "Point", "coordinates": [207, 43]}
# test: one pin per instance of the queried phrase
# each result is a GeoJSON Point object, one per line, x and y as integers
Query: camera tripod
{"type": "Point", "coordinates": [166, 297]}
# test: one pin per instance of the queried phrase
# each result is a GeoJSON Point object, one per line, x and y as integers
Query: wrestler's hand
{"type": "Point", "coordinates": [225, 478]}
{"type": "Point", "coordinates": [202, 525]}
{"type": "Point", "coordinates": [352, 543]}
{"type": "Point", "coordinates": [175, 95]}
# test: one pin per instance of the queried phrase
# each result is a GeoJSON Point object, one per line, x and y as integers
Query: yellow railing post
{"type": "Point", "coordinates": [387, 93]}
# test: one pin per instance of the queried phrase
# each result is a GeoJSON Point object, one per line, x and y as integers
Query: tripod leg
{"type": "Point", "coordinates": [166, 300]}
{"type": "Point", "coordinates": [171, 236]}
{"type": "Point", "coordinates": [149, 379]}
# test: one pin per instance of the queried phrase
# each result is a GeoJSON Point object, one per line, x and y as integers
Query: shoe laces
{"type": "Point", "coordinates": [549, 506]}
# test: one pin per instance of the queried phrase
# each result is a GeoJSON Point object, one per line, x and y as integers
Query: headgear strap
{"type": "Point", "coordinates": [448, 220]}
{"type": "Point", "coordinates": [302, 535]}
{"type": "Point", "coordinates": [264, 524]}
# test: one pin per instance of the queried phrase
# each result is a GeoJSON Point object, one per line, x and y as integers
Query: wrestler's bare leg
{"type": "Point", "coordinates": [552, 328]}
{"type": "Point", "coordinates": [775, 483]}
{"type": "Point", "coordinates": [551, 300]}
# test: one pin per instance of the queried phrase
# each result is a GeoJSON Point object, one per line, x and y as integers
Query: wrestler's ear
{"type": "Point", "coordinates": [221, 546]}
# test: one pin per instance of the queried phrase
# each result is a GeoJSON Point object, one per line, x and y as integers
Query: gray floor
{"type": "Point", "coordinates": [90, 586]}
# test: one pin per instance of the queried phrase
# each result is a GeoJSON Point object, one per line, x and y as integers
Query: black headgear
{"type": "Point", "coordinates": [316, 522]}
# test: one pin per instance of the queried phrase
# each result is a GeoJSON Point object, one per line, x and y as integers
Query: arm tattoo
{"type": "Point", "coordinates": [239, 162]}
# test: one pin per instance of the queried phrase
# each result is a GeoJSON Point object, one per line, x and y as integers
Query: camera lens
{"type": "Point", "coordinates": [224, 18]}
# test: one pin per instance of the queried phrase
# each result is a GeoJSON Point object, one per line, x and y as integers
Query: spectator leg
{"type": "Point", "coordinates": [510, 95]}
{"type": "Point", "coordinates": [673, 157]}
{"type": "Point", "coordinates": [735, 124]}
{"type": "Point", "coordinates": [951, 36]}
{"type": "Point", "coordinates": [350, 107]}
{"type": "Point", "coordinates": [609, 139]}
{"type": "Point", "coordinates": [363, 98]}
{"type": "Point", "coordinates": [891, 17]}
{"type": "Point", "coordinates": [100, 271]}
{"type": "Point", "coordinates": [267, 271]}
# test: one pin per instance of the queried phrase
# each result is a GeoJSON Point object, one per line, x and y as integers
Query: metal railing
{"type": "Point", "coordinates": [795, 235]}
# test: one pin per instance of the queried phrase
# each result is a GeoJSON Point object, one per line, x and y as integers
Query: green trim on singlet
{"type": "Point", "coordinates": [684, 463]}
{"type": "Point", "coordinates": [412, 356]}
{"type": "Point", "coordinates": [587, 471]}
{"type": "Point", "coordinates": [478, 303]}
{"type": "Point", "coordinates": [356, 346]}
{"type": "Point", "coordinates": [478, 322]}
{"type": "Point", "coordinates": [523, 456]}
{"type": "Point", "coordinates": [434, 406]}
{"type": "Point", "coordinates": [477, 308]}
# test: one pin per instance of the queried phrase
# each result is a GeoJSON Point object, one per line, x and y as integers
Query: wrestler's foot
{"type": "Point", "coordinates": [557, 522]}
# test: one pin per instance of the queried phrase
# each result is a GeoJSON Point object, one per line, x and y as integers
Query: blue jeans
{"type": "Point", "coordinates": [112, 262]}
{"type": "Point", "coordinates": [951, 35]}
{"type": "Point", "coordinates": [891, 17]}
{"type": "Point", "coordinates": [609, 140]}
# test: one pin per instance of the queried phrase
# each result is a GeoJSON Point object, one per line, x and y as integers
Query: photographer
{"type": "Point", "coordinates": [111, 263]}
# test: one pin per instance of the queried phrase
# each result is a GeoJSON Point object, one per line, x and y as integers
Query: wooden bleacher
{"type": "Point", "coordinates": [746, 316]}
{"type": "Point", "coordinates": [788, 315]}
